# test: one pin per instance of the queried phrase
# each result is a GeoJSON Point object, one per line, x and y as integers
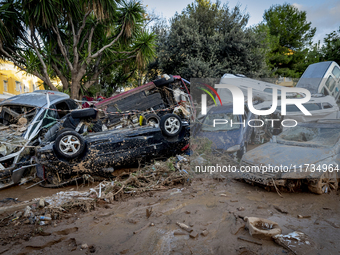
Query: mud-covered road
{"type": "Point", "coordinates": [212, 208]}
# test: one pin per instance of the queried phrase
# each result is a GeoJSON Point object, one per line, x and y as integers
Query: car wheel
{"type": "Point", "coordinates": [69, 144]}
{"type": "Point", "coordinates": [243, 151]}
{"type": "Point", "coordinates": [327, 183]}
{"type": "Point", "coordinates": [171, 125]}
{"type": "Point", "coordinates": [151, 118]}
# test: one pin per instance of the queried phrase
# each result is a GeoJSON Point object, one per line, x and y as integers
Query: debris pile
{"type": "Point", "coordinates": [159, 176]}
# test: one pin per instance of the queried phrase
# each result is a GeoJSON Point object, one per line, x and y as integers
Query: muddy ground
{"type": "Point", "coordinates": [212, 208]}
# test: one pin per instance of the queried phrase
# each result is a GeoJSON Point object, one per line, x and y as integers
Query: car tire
{"type": "Point", "coordinates": [171, 125]}
{"type": "Point", "coordinates": [327, 183]}
{"type": "Point", "coordinates": [84, 114]}
{"type": "Point", "coordinates": [151, 118]}
{"type": "Point", "coordinates": [69, 144]}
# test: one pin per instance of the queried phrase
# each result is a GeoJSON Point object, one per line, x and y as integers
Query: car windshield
{"type": "Point", "coordinates": [310, 136]}
{"type": "Point", "coordinates": [223, 122]}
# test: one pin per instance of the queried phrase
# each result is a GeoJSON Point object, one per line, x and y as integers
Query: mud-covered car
{"type": "Point", "coordinates": [308, 154]}
{"type": "Point", "coordinates": [24, 122]}
{"type": "Point", "coordinates": [100, 153]}
{"type": "Point", "coordinates": [225, 130]}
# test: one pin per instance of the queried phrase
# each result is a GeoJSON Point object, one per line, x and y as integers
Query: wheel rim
{"type": "Point", "coordinates": [69, 144]}
{"type": "Point", "coordinates": [172, 125]}
{"type": "Point", "coordinates": [328, 182]}
{"type": "Point", "coordinates": [325, 184]}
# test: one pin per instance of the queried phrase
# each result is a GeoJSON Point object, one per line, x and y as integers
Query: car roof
{"type": "Point", "coordinates": [36, 98]}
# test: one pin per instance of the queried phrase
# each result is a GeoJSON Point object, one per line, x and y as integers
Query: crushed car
{"type": "Point", "coordinates": [101, 153]}
{"type": "Point", "coordinates": [24, 122]}
{"type": "Point", "coordinates": [320, 106]}
{"type": "Point", "coordinates": [147, 103]}
{"type": "Point", "coordinates": [307, 154]}
{"type": "Point", "coordinates": [226, 130]}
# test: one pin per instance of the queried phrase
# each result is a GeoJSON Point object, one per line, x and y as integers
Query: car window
{"type": "Point", "coordinates": [324, 91]}
{"type": "Point", "coordinates": [330, 83]}
{"type": "Point", "coordinates": [336, 72]}
{"type": "Point", "coordinates": [72, 104]}
{"type": "Point", "coordinates": [62, 108]}
{"type": "Point", "coordinates": [50, 117]}
{"type": "Point", "coordinates": [223, 122]}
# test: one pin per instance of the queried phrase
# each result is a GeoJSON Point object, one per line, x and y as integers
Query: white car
{"type": "Point", "coordinates": [23, 121]}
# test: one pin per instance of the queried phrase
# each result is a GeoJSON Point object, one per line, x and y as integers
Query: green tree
{"type": "Point", "coordinates": [208, 40]}
{"type": "Point", "coordinates": [79, 42]}
{"type": "Point", "coordinates": [294, 34]}
{"type": "Point", "coordinates": [331, 49]}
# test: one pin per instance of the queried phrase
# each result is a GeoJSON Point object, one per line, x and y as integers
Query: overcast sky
{"type": "Point", "coordinates": [324, 15]}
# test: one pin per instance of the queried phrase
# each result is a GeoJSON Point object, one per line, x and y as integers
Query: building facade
{"type": "Point", "coordinates": [15, 82]}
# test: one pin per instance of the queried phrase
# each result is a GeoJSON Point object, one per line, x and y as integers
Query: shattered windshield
{"type": "Point", "coordinates": [311, 136]}
{"type": "Point", "coordinates": [223, 122]}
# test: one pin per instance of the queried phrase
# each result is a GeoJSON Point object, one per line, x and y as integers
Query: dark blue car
{"type": "Point", "coordinates": [229, 133]}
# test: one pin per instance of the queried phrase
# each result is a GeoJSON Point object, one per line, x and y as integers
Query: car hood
{"type": "Point", "coordinates": [223, 140]}
{"type": "Point", "coordinates": [286, 155]}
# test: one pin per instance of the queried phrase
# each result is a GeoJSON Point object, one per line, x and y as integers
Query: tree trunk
{"type": "Point", "coordinates": [75, 89]}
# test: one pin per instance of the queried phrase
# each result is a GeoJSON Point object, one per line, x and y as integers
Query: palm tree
{"type": "Point", "coordinates": [76, 41]}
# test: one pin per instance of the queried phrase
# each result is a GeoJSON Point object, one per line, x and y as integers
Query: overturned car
{"type": "Point", "coordinates": [147, 103]}
{"type": "Point", "coordinates": [100, 153]}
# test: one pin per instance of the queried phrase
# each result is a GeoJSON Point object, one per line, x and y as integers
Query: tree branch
{"type": "Point", "coordinates": [47, 78]}
{"type": "Point", "coordinates": [82, 26]}
{"type": "Point", "coordinates": [63, 79]}
{"type": "Point", "coordinates": [108, 45]}
{"type": "Point", "coordinates": [83, 41]}
{"type": "Point", "coordinates": [94, 78]}
{"type": "Point", "coordinates": [61, 45]}
{"type": "Point", "coordinates": [89, 49]}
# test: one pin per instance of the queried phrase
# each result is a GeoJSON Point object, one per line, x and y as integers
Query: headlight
{"type": "Point", "coordinates": [234, 148]}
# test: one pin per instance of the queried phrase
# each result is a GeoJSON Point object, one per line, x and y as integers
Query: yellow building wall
{"type": "Point", "coordinates": [18, 82]}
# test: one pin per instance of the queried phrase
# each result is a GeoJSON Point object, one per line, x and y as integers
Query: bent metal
{"type": "Point", "coordinates": [252, 123]}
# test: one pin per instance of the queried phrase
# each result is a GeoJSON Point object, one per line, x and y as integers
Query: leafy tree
{"type": "Point", "coordinates": [80, 42]}
{"type": "Point", "coordinates": [208, 40]}
{"type": "Point", "coordinates": [294, 34]}
{"type": "Point", "coordinates": [331, 48]}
